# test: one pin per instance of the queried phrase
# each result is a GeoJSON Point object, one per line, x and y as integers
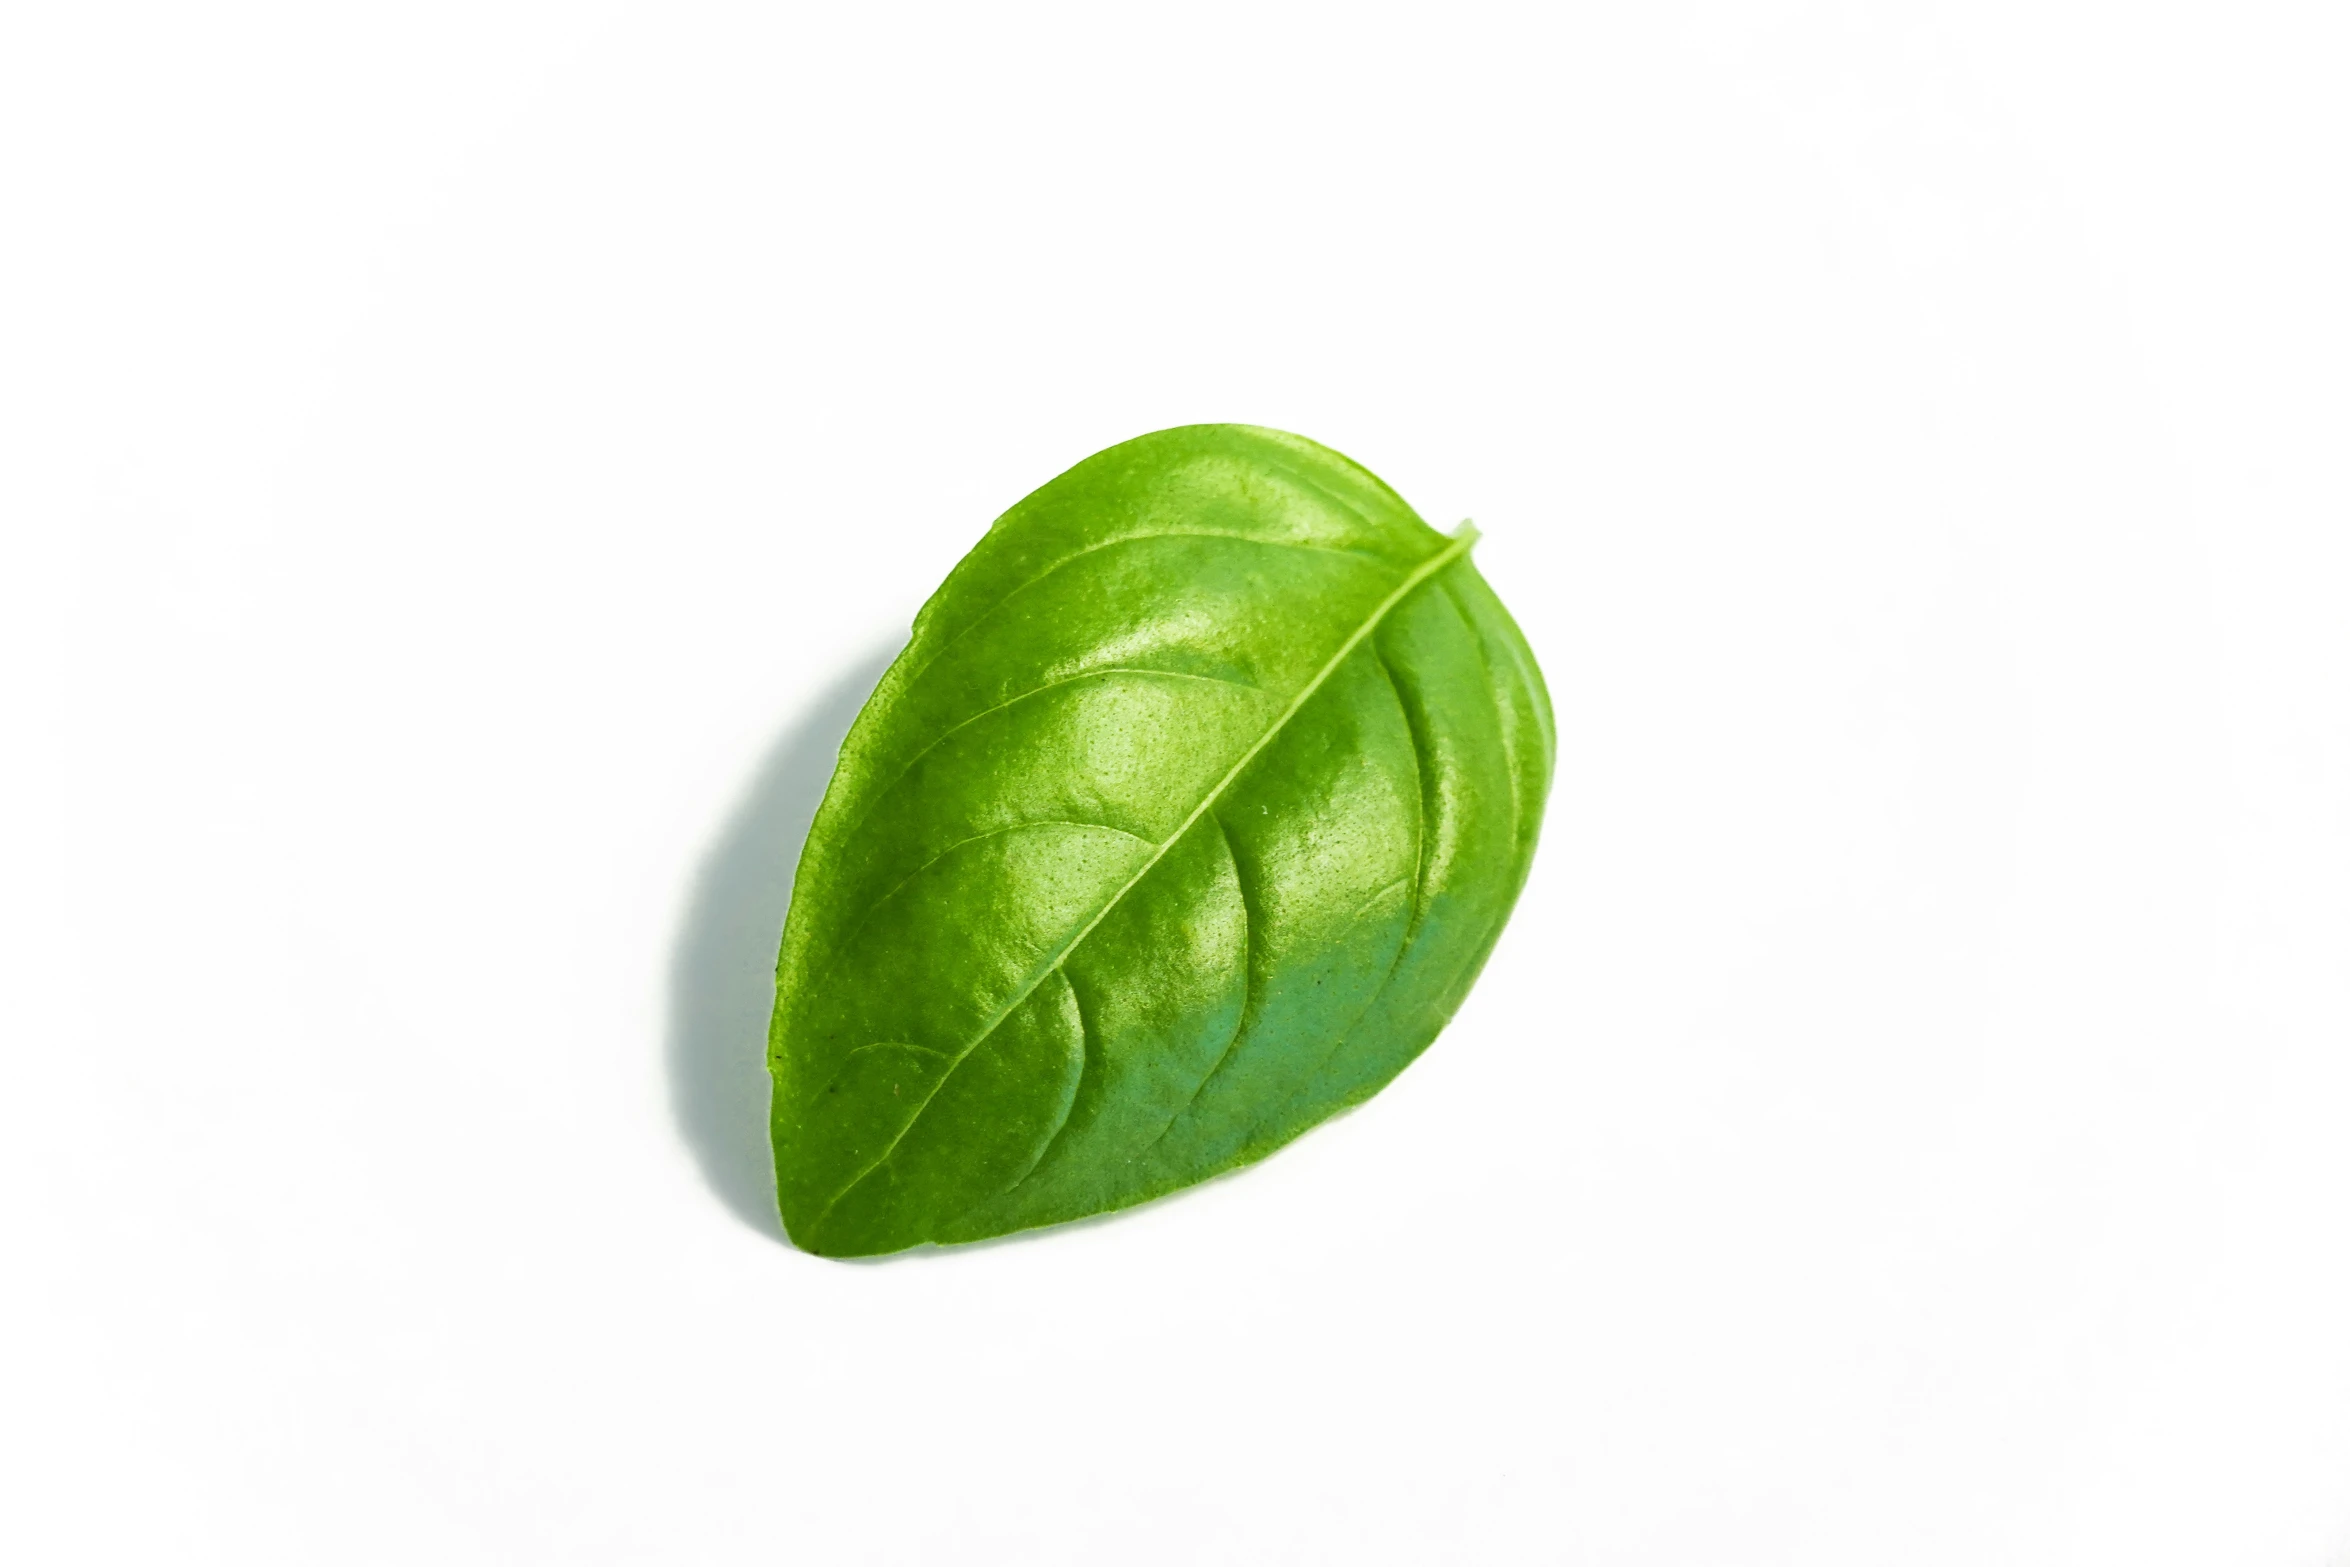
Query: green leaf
{"type": "Point", "coordinates": [1184, 821]}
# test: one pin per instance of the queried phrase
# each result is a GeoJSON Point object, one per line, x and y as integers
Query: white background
{"type": "Point", "coordinates": [466, 462]}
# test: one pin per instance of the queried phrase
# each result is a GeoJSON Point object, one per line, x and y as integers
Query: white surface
{"type": "Point", "coordinates": [468, 457]}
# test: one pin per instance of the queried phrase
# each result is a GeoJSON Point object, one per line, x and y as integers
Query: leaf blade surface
{"type": "Point", "coordinates": [1144, 857]}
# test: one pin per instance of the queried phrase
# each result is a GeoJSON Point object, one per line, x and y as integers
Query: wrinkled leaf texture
{"type": "Point", "coordinates": [1184, 821]}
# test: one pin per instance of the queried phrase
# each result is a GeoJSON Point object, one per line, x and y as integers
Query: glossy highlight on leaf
{"type": "Point", "coordinates": [1184, 821]}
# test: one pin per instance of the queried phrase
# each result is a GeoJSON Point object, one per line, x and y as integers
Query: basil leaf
{"type": "Point", "coordinates": [1183, 822]}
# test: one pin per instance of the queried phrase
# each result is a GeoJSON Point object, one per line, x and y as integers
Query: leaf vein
{"type": "Point", "coordinates": [1503, 722]}
{"type": "Point", "coordinates": [949, 732]}
{"type": "Point", "coordinates": [1248, 983]}
{"type": "Point", "coordinates": [1126, 538]}
{"type": "Point", "coordinates": [866, 917]}
{"type": "Point", "coordinates": [1423, 770]}
{"type": "Point", "coordinates": [891, 1044]}
{"type": "Point", "coordinates": [1085, 1062]}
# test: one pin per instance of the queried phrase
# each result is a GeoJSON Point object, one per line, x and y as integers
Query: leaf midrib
{"type": "Point", "coordinates": [1463, 538]}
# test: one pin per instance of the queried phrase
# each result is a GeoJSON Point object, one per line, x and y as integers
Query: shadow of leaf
{"type": "Point", "coordinates": [722, 970]}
